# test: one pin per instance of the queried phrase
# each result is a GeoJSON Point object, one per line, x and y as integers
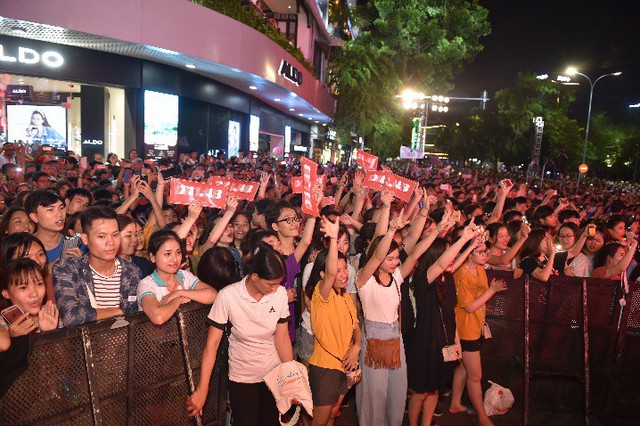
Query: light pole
{"type": "Point", "coordinates": [573, 71]}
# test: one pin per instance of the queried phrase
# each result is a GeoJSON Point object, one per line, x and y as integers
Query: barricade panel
{"type": "Point", "coordinates": [157, 353]}
{"type": "Point", "coordinates": [54, 384]}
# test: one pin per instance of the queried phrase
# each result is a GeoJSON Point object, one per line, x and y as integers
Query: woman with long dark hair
{"type": "Point", "coordinates": [381, 395]}
{"type": "Point", "coordinates": [435, 297]}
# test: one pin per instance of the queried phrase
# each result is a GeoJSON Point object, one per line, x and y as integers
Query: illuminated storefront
{"type": "Point", "coordinates": [210, 84]}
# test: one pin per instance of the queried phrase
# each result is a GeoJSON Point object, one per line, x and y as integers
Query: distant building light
{"type": "Point", "coordinates": [635, 105]}
{"type": "Point", "coordinates": [542, 77]}
{"type": "Point", "coordinates": [564, 79]}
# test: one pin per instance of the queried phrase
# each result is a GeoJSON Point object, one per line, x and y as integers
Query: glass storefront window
{"type": "Point", "coordinates": [40, 112]}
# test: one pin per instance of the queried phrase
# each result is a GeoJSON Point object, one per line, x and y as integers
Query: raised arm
{"type": "Point", "coordinates": [577, 247]}
{"type": "Point", "coordinates": [194, 213]}
{"type": "Point", "coordinates": [379, 254]}
{"type": "Point", "coordinates": [132, 198]}
{"type": "Point", "coordinates": [218, 230]}
{"type": "Point", "coordinates": [623, 264]}
{"type": "Point", "coordinates": [330, 230]}
{"type": "Point", "coordinates": [435, 270]}
{"type": "Point", "coordinates": [512, 251]}
{"type": "Point", "coordinates": [417, 225]}
{"type": "Point", "coordinates": [477, 242]}
{"type": "Point", "coordinates": [305, 240]}
{"type": "Point", "coordinates": [146, 190]}
{"type": "Point", "coordinates": [543, 274]}
{"type": "Point", "coordinates": [264, 182]}
{"type": "Point", "coordinates": [496, 214]}
{"type": "Point", "coordinates": [385, 211]}
{"type": "Point", "coordinates": [407, 266]}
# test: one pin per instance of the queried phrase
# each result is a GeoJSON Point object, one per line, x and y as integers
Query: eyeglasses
{"type": "Point", "coordinates": [289, 220]}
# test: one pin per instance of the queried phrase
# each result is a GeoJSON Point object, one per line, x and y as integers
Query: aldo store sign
{"type": "Point", "coordinates": [28, 56]}
{"type": "Point", "coordinates": [290, 73]}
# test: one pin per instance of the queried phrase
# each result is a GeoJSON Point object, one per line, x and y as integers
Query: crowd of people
{"type": "Point", "coordinates": [375, 294]}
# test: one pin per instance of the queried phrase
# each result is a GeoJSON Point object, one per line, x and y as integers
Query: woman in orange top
{"type": "Point", "coordinates": [334, 321]}
{"type": "Point", "coordinates": [472, 291]}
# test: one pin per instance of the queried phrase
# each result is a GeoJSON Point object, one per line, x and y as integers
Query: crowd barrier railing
{"type": "Point", "coordinates": [562, 346]}
{"type": "Point", "coordinates": [566, 346]}
{"type": "Point", "coordinates": [136, 374]}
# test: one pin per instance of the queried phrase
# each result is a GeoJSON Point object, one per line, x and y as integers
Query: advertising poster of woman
{"type": "Point", "coordinates": [38, 125]}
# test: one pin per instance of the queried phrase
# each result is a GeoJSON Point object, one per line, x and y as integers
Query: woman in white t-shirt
{"type": "Point", "coordinates": [161, 293]}
{"type": "Point", "coordinates": [257, 309]}
{"type": "Point", "coordinates": [382, 394]}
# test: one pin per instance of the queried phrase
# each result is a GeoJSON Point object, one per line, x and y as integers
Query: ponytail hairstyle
{"type": "Point", "coordinates": [266, 263]}
{"type": "Point", "coordinates": [319, 265]}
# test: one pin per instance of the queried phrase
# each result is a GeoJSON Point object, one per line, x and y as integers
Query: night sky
{"type": "Point", "coordinates": [545, 36]}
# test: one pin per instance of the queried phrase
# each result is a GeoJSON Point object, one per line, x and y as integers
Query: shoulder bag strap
{"type": "Point", "coordinates": [444, 326]}
{"type": "Point", "coordinates": [352, 325]}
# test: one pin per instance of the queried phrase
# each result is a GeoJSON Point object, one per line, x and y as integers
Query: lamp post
{"type": "Point", "coordinates": [573, 71]}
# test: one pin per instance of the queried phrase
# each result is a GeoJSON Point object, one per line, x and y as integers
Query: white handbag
{"type": "Point", "coordinates": [289, 382]}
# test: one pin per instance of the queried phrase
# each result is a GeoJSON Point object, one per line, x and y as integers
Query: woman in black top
{"type": "Point", "coordinates": [435, 297]}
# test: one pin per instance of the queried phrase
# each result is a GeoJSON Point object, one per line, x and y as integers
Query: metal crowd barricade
{"type": "Point", "coordinates": [566, 348]}
{"type": "Point", "coordinates": [136, 374]}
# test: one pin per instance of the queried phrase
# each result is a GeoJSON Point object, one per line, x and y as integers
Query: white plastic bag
{"type": "Point", "coordinates": [497, 399]}
{"type": "Point", "coordinates": [289, 382]}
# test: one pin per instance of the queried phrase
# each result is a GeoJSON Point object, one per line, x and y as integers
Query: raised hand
{"type": "Point", "coordinates": [48, 317]}
{"type": "Point", "coordinates": [194, 210]}
{"type": "Point", "coordinates": [386, 197]}
{"type": "Point", "coordinates": [397, 222]}
{"type": "Point", "coordinates": [328, 228]}
{"type": "Point", "coordinates": [358, 178]}
{"type": "Point", "coordinates": [145, 190]}
{"type": "Point", "coordinates": [470, 231]}
{"type": "Point", "coordinates": [446, 222]}
{"type": "Point", "coordinates": [344, 180]}
{"type": "Point", "coordinates": [232, 203]}
{"type": "Point", "coordinates": [346, 220]}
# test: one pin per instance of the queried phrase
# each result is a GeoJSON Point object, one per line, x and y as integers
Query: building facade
{"type": "Point", "coordinates": [161, 77]}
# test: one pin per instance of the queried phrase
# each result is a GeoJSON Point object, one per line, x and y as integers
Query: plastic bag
{"type": "Point", "coordinates": [497, 399]}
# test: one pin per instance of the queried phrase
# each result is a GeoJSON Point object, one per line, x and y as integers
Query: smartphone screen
{"type": "Point", "coordinates": [11, 314]}
{"type": "Point", "coordinates": [169, 173]}
{"type": "Point", "coordinates": [83, 162]}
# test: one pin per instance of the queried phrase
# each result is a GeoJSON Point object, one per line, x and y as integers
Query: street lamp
{"type": "Point", "coordinates": [574, 71]}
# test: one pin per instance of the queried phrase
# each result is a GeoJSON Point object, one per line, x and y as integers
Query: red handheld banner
{"type": "Point", "coordinates": [367, 161]}
{"type": "Point", "coordinates": [375, 179]}
{"type": "Point", "coordinates": [402, 187]}
{"type": "Point", "coordinates": [186, 192]}
{"type": "Point", "coordinates": [309, 180]}
{"type": "Point", "coordinates": [296, 184]}
{"type": "Point", "coordinates": [241, 189]}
